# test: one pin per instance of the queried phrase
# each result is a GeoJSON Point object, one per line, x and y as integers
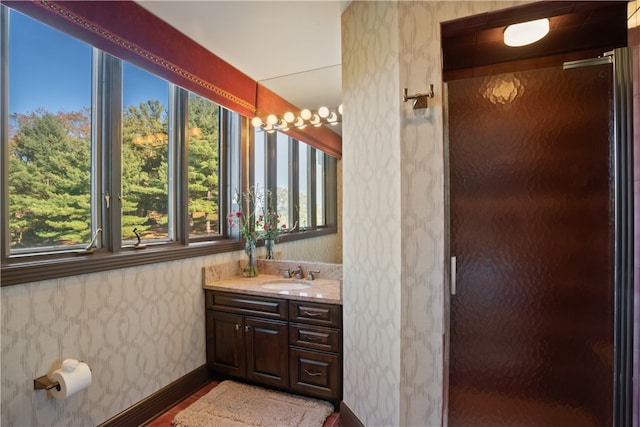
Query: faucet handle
{"type": "Point", "coordinates": [287, 273]}
{"type": "Point", "coordinates": [311, 274]}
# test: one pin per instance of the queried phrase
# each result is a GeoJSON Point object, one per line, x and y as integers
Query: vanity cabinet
{"type": "Point", "coordinates": [289, 344]}
{"type": "Point", "coordinates": [315, 349]}
{"type": "Point", "coordinates": [247, 337]}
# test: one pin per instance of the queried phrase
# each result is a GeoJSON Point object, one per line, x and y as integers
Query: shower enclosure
{"type": "Point", "coordinates": [539, 234]}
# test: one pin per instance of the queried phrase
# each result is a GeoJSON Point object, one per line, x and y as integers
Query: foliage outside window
{"type": "Point", "coordinates": [49, 147]}
{"type": "Point", "coordinates": [145, 156]}
{"type": "Point", "coordinates": [289, 169]}
{"type": "Point", "coordinates": [71, 172]}
{"type": "Point", "coordinates": [203, 151]}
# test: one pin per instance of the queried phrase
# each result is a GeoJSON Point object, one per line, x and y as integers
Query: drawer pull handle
{"type": "Point", "coordinates": [306, 313]}
{"type": "Point", "coordinates": [311, 338]}
{"type": "Point", "coordinates": [312, 373]}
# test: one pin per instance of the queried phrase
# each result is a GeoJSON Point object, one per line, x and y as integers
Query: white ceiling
{"type": "Point", "coordinates": [291, 47]}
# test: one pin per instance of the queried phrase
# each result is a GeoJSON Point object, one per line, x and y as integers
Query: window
{"type": "Point", "coordinates": [299, 175]}
{"type": "Point", "coordinates": [282, 191]}
{"type": "Point", "coordinates": [145, 157]}
{"type": "Point", "coordinates": [97, 143]}
{"type": "Point", "coordinates": [320, 184]}
{"type": "Point", "coordinates": [304, 219]}
{"type": "Point", "coordinates": [203, 153]}
{"type": "Point", "coordinates": [102, 156]}
{"type": "Point", "coordinates": [49, 153]}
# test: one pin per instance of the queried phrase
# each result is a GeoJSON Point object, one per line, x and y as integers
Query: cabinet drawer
{"type": "Point", "coordinates": [315, 313]}
{"type": "Point", "coordinates": [314, 337]}
{"type": "Point", "coordinates": [271, 308]}
{"type": "Point", "coordinates": [317, 374]}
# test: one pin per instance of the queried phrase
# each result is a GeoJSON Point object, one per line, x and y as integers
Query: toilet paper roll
{"type": "Point", "coordinates": [72, 377]}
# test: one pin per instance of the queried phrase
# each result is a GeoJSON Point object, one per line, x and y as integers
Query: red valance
{"type": "Point", "coordinates": [130, 32]}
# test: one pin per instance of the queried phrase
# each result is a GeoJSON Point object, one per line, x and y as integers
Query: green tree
{"type": "Point", "coordinates": [145, 170]}
{"type": "Point", "coordinates": [49, 179]}
{"type": "Point", "coordinates": [203, 166]}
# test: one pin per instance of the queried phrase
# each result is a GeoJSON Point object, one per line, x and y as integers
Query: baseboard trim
{"type": "Point", "coordinates": [158, 403]}
{"type": "Point", "coordinates": [348, 418]}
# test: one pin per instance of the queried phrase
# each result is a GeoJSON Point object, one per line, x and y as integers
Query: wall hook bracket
{"type": "Point", "coordinates": [419, 99]}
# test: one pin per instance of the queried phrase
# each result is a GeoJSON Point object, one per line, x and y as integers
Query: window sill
{"type": "Point", "coordinates": [32, 269]}
{"type": "Point", "coordinates": [24, 270]}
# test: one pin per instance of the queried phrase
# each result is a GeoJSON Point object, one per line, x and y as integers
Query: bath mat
{"type": "Point", "coordinates": [232, 404]}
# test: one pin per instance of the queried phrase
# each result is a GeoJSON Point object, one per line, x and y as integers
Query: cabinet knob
{"type": "Point", "coordinates": [237, 327]}
{"type": "Point", "coordinates": [246, 328]}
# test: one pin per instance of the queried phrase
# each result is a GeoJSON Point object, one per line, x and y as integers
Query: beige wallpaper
{"type": "Point", "coordinates": [139, 329]}
{"type": "Point", "coordinates": [393, 174]}
{"type": "Point", "coordinates": [371, 211]}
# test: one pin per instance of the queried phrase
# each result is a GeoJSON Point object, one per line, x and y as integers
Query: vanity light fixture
{"type": "Point", "coordinates": [525, 33]}
{"type": "Point", "coordinates": [306, 117]}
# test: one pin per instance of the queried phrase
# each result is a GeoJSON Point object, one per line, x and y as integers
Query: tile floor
{"type": "Point", "coordinates": [165, 419]}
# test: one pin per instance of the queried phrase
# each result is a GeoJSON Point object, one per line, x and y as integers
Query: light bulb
{"type": "Point", "coordinates": [305, 114]}
{"type": "Point", "coordinates": [256, 122]}
{"type": "Point", "coordinates": [315, 120]}
{"type": "Point", "coordinates": [340, 109]}
{"type": "Point", "coordinates": [526, 33]}
{"type": "Point", "coordinates": [289, 117]}
{"type": "Point", "coordinates": [298, 122]}
{"type": "Point", "coordinates": [333, 118]}
{"type": "Point", "coordinates": [323, 112]}
{"type": "Point", "coordinates": [272, 119]}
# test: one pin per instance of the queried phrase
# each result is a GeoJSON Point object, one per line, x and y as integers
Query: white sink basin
{"type": "Point", "coordinates": [285, 285]}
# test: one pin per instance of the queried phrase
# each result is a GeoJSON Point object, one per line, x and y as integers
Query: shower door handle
{"type": "Point", "coordinates": [453, 275]}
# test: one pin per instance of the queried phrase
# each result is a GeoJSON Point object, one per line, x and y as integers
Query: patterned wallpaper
{"type": "Point", "coordinates": [372, 211]}
{"type": "Point", "coordinates": [138, 329]}
{"type": "Point", "coordinates": [393, 180]}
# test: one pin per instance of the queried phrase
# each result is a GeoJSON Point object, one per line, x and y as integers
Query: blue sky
{"type": "Point", "coordinates": [51, 70]}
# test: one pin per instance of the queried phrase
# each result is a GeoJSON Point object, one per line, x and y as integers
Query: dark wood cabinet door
{"type": "Point", "coordinates": [266, 345]}
{"type": "Point", "coordinates": [225, 343]}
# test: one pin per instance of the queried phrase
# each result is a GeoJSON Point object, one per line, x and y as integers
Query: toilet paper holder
{"type": "Point", "coordinates": [44, 383]}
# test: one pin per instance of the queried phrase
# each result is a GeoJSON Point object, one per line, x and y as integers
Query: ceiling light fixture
{"type": "Point", "coordinates": [526, 33]}
{"type": "Point", "coordinates": [306, 117]}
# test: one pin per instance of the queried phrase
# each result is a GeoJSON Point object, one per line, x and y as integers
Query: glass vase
{"type": "Point", "coordinates": [270, 245]}
{"type": "Point", "coordinates": [250, 269]}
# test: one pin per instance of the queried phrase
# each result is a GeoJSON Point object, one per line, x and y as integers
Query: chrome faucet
{"type": "Point", "coordinates": [298, 274]}
{"type": "Point", "coordinates": [286, 274]}
{"type": "Point", "coordinates": [311, 274]}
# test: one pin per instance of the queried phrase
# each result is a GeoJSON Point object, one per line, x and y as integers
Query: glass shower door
{"type": "Point", "coordinates": [531, 226]}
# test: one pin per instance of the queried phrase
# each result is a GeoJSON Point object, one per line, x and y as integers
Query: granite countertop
{"type": "Point", "coordinates": [321, 290]}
